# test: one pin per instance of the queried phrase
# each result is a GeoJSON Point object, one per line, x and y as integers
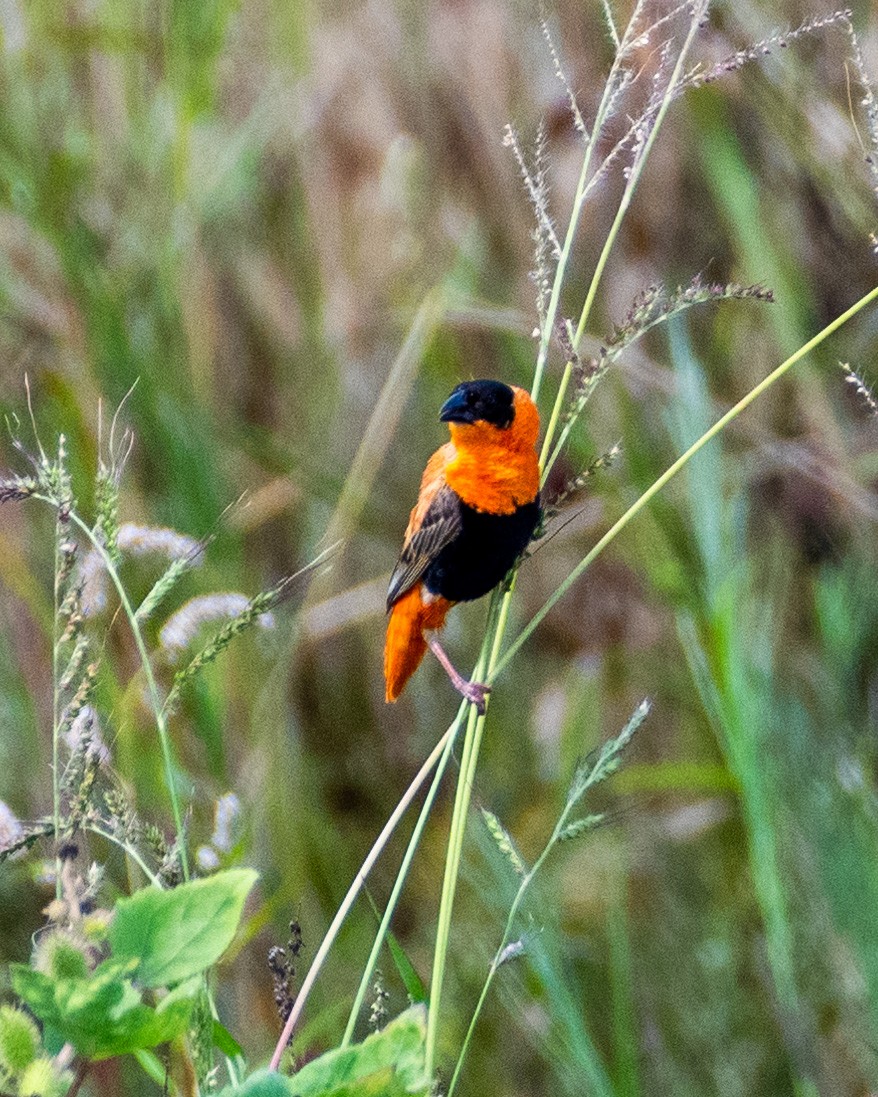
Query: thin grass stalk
{"type": "Point", "coordinates": [463, 794]}
{"type": "Point", "coordinates": [56, 703]}
{"type": "Point", "coordinates": [672, 471]}
{"type": "Point", "coordinates": [449, 883]}
{"type": "Point", "coordinates": [698, 13]}
{"type": "Point", "coordinates": [354, 890]}
{"type": "Point", "coordinates": [475, 724]}
{"type": "Point", "coordinates": [401, 875]}
{"type": "Point", "coordinates": [152, 685]}
{"type": "Point", "coordinates": [578, 203]}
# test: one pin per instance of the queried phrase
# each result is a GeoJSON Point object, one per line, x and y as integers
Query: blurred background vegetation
{"type": "Point", "coordinates": [294, 224]}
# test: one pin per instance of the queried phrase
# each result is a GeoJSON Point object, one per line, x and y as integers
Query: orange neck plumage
{"type": "Point", "coordinates": [496, 470]}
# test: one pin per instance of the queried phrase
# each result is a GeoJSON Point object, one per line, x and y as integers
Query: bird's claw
{"type": "Point", "coordinates": [477, 694]}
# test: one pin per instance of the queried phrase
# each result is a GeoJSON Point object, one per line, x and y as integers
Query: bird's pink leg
{"type": "Point", "coordinates": [474, 692]}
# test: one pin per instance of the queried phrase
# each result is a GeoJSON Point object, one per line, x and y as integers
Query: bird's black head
{"type": "Point", "coordinates": [480, 401]}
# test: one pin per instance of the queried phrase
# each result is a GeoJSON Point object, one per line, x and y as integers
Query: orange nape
{"type": "Point", "coordinates": [406, 644]}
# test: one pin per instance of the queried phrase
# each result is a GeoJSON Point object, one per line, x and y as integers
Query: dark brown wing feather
{"type": "Point", "coordinates": [441, 524]}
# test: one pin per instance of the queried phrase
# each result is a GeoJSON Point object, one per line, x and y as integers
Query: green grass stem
{"type": "Point", "coordinates": [672, 471]}
{"type": "Point", "coordinates": [401, 875]}
{"type": "Point", "coordinates": [354, 890]}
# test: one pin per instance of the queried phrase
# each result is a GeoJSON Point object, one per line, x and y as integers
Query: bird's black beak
{"type": "Point", "coordinates": [456, 409]}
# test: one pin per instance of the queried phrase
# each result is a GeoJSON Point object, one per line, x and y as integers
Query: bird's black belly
{"type": "Point", "coordinates": [482, 553]}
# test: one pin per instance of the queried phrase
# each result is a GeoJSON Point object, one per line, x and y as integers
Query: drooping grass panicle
{"type": "Point", "coordinates": [574, 485]}
{"type": "Point", "coordinates": [869, 104]}
{"type": "Point", "coordinates": [655, 305]}
{"type": "Point", "coordinates": [651, 307]}
{"type": "Point", "coordinates": [698, 76]}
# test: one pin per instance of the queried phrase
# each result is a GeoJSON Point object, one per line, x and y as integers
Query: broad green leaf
{"type": "Point", "coordinates": [178, 933]}
{"type": "Point", "coordinates": [389, 1063]}
{"type": "Point", "coordinates": [102, 1015]}
{"type": "Point", "coordinates": [264, 1083]}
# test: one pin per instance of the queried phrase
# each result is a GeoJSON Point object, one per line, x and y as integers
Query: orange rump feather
{"type": "Point", "coordinates": [410, 618]}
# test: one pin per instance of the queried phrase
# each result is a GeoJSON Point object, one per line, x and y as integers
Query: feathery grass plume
{"type": "Point", "coordinates": [225, 820]}
{"type": "Point", "coordinates": [561, 75]}
{"type": "Point", "coordinates": [513, 951]}
{"type": "Point", "coordinates": [651, 307]}
{"type": "Point", "coordinates": [140, 541]}
{"type": "Point", "coordinates": [547, 249]}
{"type": "Point", "coordinates": [11, 830]}
{"type": "Point", "coordinates": [698, 76]}
{"type": "Point", "coordinates": [860, 388]}
{"type": "Point", "coordinates": [869, 103]}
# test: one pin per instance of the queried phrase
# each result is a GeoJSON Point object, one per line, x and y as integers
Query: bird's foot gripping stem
{"type": "Point", "coordinates": [475, 692]}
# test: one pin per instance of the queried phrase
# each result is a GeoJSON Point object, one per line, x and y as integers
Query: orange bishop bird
{"type": "Point", "coordinates": [477, 509]}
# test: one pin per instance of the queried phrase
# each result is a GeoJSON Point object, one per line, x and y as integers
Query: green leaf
{"type": "Point", "coordinates": [264, 1083]}
{"type": "Point", "coordinates": [175, 934]}
{"type": "Point", "coordinates": [225, 1041]}
{"type": "Point", "coordinates": [102, 1015]}
{"type": "Point", "coordinates": [389, 1063]}
{"type": "Point", "coordinates": [410, 978]}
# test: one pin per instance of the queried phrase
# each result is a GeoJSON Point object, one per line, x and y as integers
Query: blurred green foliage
{"type": "Point", "coordinates": [248, 210]}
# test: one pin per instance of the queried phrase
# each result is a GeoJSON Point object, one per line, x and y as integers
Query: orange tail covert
{"type": "Point", "coordinates": [406, 646]}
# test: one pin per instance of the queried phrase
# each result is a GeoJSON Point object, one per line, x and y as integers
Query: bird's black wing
{"type": "Point", "coordinates": [441, 524]}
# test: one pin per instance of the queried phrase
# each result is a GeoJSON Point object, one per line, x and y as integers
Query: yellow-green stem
{"type": "Point", "coordinates": [672, 471]}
